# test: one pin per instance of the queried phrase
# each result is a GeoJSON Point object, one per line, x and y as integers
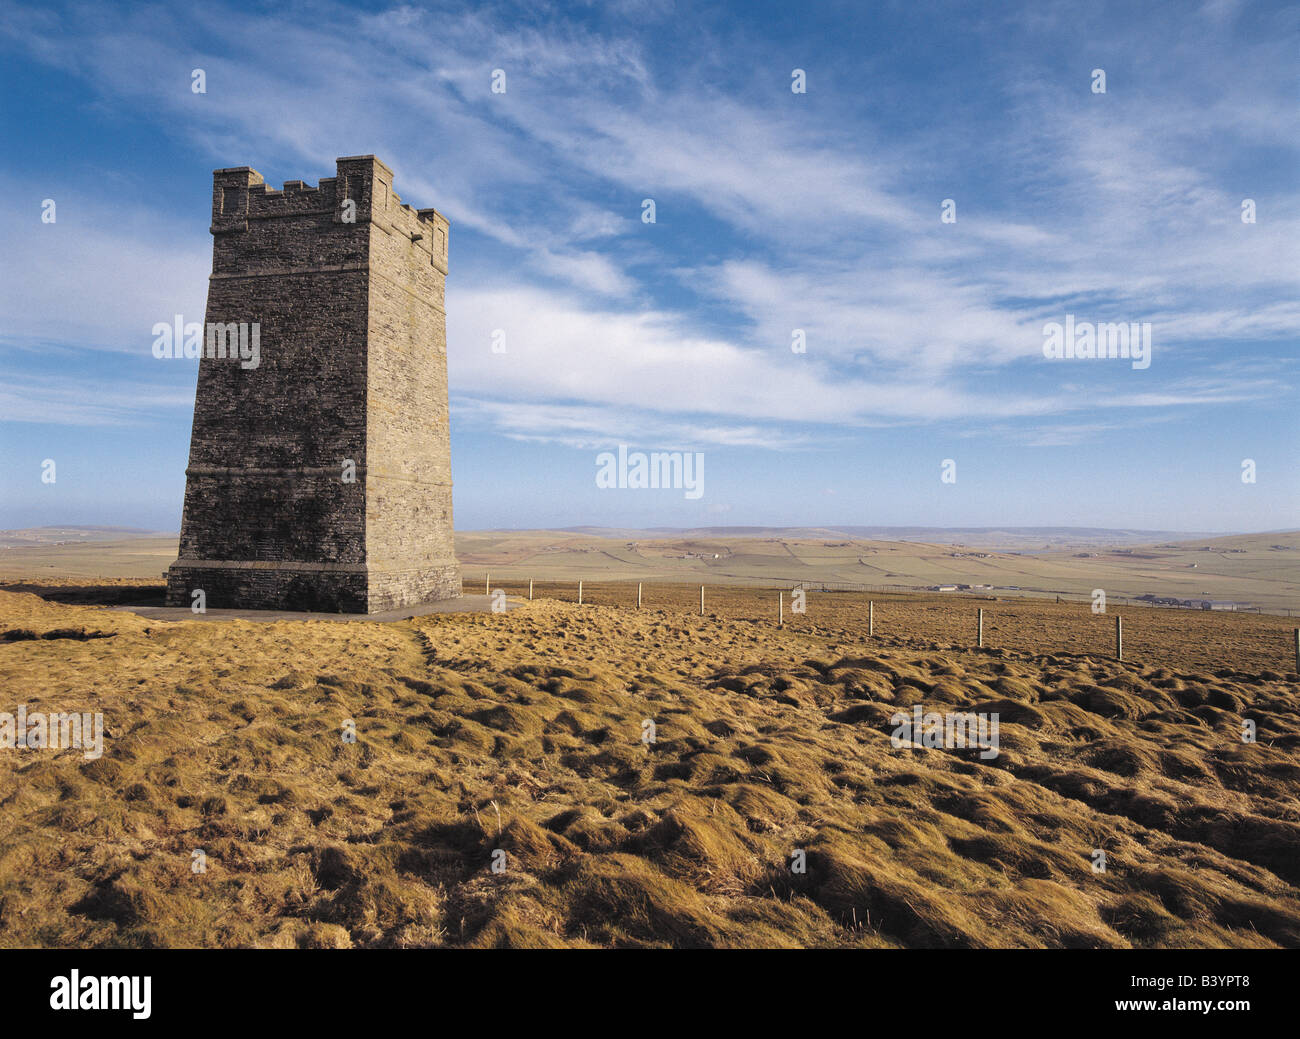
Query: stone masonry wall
{"type": "Point", "coordinates": [409, 516]}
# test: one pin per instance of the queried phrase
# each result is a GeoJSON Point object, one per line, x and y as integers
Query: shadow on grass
{"type": "Point", "coordinates": [95, 594]}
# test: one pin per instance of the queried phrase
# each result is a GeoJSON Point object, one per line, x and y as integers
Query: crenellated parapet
{"type": "Point", "coordinates": [360, 193]}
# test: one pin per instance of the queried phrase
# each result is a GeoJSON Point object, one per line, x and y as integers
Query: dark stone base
{"type": "Point", "coordinates": [314, 588]}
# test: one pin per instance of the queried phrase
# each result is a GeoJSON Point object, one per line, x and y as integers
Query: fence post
{"type": "Point", "coordinates": [871, 618]}
{"type": "Point", "coordinates": [1297, 649]}
{"type": "Point", "coordinates": [1119, 638]}
{"type": "Point", "coordinates": [579, 593]}
{"type": "Point", "coordinates": [487, 584]}
{"type": "Point", "coordinates": [530, 589]}
{"type": "Point", "coordinates": [980, 643]}
{"type": "Point", "coordinates": [701, 600]}
{"type": "Point", "coordinates": [780, 609]}
{"type": "Point", "coordinates": [638, 595]}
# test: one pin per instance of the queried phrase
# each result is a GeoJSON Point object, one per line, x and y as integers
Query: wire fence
{"type": "Point", "coordinates": [969, 591]}
{"type": "Point", "coordinates": [1121, 627]}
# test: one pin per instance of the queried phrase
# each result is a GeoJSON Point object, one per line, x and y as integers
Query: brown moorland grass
{"type": "Point", "coordinates": [522, 733]}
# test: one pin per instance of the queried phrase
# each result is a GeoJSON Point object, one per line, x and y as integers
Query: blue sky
{"type": "Point", "coordinates": [775, 211]}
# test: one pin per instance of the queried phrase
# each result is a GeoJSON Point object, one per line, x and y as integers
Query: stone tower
{"type": "Point", "coordinates": [320, 466]}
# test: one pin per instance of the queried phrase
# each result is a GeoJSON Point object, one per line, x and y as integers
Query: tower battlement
{"type": "Point", "coordinates": [321, 479]}
{"type": "Point", "coordinates": [240, 196]}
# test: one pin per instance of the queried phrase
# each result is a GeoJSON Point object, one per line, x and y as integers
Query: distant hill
{"type": "Point", "coordinates": [71, 534]}
{"type": "Point", "coordinates": [1008, 538]}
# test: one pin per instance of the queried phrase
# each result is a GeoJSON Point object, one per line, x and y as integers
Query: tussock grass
{"type": "Point", "coordinates": [516, 739]}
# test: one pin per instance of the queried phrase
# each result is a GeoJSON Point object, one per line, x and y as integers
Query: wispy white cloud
{"type": "Point", "coordinates": [1116, 211]}
{"type": "Point", "coordinates": [94, 282]}
{"type": "Point", "coordinates": [71, 400]}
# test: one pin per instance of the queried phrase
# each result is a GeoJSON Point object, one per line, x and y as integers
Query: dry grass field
{"type": "Point", "coordinates": [522, 733]}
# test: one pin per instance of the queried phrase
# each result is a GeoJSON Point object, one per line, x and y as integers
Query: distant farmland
{"type": "Point", "coordinates": [1256, 570]}
{"type": "Point", "coordinates": [1259, 570]}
